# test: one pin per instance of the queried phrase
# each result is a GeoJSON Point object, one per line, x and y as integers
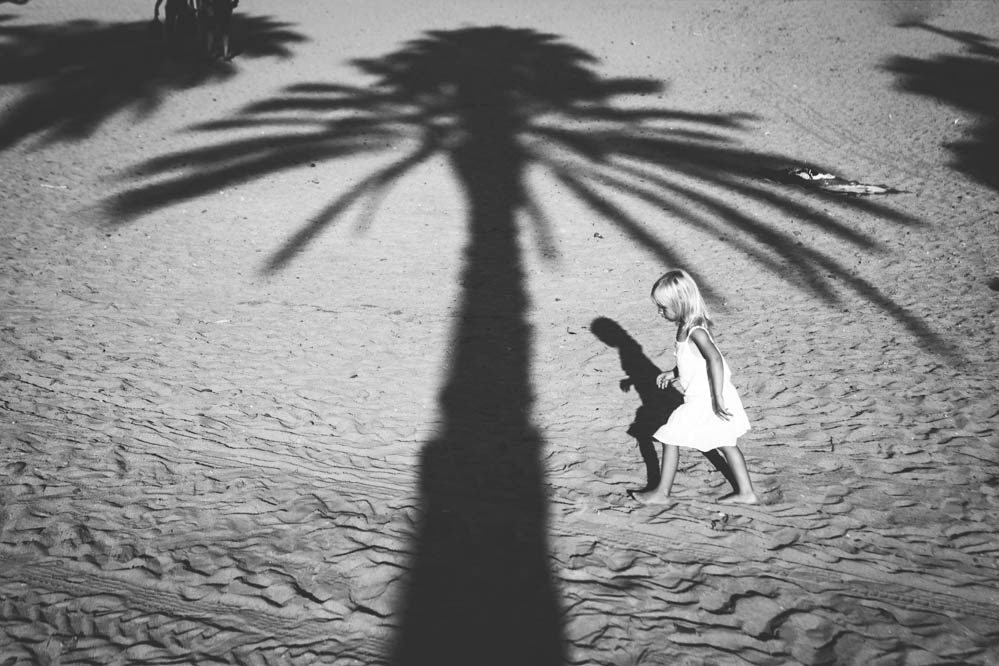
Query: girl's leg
{"type": "Point", "coordinates": [744, 493]}
{"type": "Point", "coordinates": [670, 460]}
{"type": "Point", "coordinates": [717, 458]}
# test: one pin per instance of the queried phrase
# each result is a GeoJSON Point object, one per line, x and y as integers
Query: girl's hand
{"type": "Point", "coordinates": [721, 412]}
{"type": "Point", "coordinates": [664, 380]}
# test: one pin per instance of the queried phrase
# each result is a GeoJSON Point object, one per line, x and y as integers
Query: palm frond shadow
{"type": "Point", "coordinates": [80, 73]}
{"type": "Point", "coordinates": [967, 82]}
{"type": "Point", "coordinates": [688, 165]}
{"type": "Point", "coordinates": [496, 101]}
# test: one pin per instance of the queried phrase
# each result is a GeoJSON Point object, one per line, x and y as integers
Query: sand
{"type": "Point", "coordinates": [291, 375]}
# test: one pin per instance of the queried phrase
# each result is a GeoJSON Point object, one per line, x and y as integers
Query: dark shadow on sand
{"type": "Point", "coordinates": [969, 82]}
{"type": "Point", "coordinates": [78, 74]}
{"type": "Point", "coordinates": [495, 101]}
{"type": "Point", "coordinates": [640, 374]}
{"type": "Point", "coordinates": [687, 166]}
{"type": "Point", "coordinates": [656, 404]}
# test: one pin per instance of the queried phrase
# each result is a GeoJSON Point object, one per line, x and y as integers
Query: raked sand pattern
{"type": "Point", "coordinates": [205, 463]}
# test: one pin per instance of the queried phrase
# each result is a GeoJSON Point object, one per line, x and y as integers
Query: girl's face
{"type": "Point", "coordinates": [668, 313]}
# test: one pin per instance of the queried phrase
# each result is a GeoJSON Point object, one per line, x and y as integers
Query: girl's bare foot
{"type": "Point", "coordinates": [650, 497]}
{"type": "Point", "coordinates": [740, 498]}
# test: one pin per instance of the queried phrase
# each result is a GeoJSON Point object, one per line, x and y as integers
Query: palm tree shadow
{"type": "Point", "coordinates": [481, 589]}
{"type": "Point", "coordinates": [80, 73]}
{"type": "Point", "coordinates": [967, 82]}
{"type": "Point", "coordinates": [656, 404]}
{"type": "Point", "coordinates": [493, 101]}
{"type": "Point", "coordinates": [674, 162]}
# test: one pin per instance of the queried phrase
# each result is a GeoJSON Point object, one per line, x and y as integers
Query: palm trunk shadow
{"type": "Point", "coordinates": [480, 590]}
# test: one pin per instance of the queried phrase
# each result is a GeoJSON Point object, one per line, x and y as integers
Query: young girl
{"type": "Point", "coordinates": [711, 415]}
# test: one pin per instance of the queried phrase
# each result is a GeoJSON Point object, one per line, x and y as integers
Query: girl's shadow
{"type": "Point", "coordinates": [657, 404]}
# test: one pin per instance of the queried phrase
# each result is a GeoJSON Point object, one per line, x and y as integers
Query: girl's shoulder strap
{"type": "Point", "coordinates": [701, 326]}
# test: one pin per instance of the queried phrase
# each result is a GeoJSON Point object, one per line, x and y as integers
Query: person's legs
{"type": "Point", "coordinates": [222, 18]}
{"type": "Point", "coordinates": [170, 21]}
{"type": "Point", "coordinates": [226, 54]}
{"type": "Point", "coordinates": [205, 27]}
{"type": "Point", "coordinates": [744, 493]}
{"type": "Point", "coordinates": [670, 461]}
{"type": "Point", "coordinates": [720, 463]}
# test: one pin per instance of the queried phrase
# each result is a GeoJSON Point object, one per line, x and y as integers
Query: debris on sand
{"type": "Point", "coordinates": [816, 179]}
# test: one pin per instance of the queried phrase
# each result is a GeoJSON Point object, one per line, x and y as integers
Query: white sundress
{"type": "Point", "coordinates": [694, 423]}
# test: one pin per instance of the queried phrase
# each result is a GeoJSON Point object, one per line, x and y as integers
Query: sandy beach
{"type": "Point", "coordinates": [342, 352]}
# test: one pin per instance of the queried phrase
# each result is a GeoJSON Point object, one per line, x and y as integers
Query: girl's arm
{"type": "Point", "coordinates": [716, 371]}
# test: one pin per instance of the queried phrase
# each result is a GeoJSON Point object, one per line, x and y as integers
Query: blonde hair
{"type": "Point", "coordinates": [678, 290]}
